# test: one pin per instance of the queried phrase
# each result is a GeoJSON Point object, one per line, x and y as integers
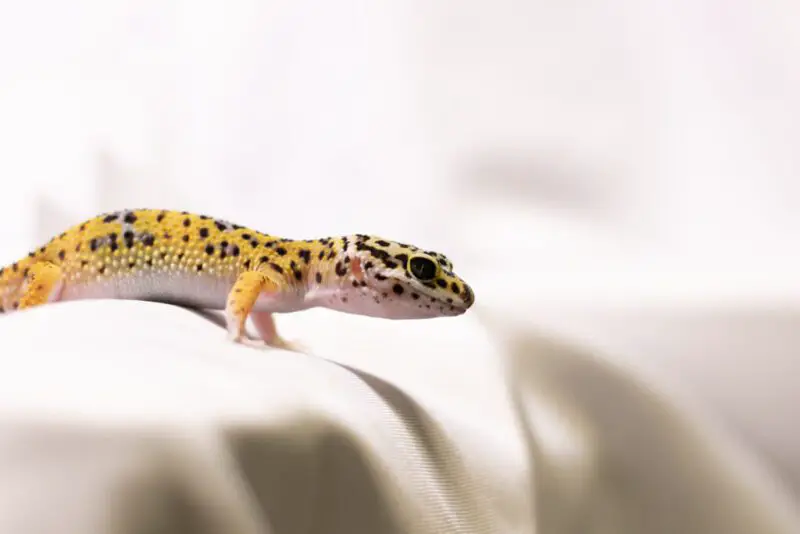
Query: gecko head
{"type": "Point", "coordinates": [402, 281]}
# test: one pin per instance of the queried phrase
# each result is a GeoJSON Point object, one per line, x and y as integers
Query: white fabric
{"type": "Point", "coordinates": [139, 417]}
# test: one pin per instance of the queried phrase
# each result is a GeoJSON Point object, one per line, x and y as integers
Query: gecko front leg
{"type": "Point", "coordinates": [265, 326]}
{"type": "Point", "coordinates": [241, 299]}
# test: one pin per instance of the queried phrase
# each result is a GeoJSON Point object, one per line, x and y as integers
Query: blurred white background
{"type": "Point", "coordinates": [608, 148]}
{"type": "Point", "coordinates": [626, 151]}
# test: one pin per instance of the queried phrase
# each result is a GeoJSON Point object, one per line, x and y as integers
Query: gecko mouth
{"type": "Point", "coordinates": [448, 308]}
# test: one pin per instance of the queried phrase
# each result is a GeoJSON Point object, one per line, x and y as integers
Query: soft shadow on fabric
{"type": "Point", "coordinates": [650, 470]}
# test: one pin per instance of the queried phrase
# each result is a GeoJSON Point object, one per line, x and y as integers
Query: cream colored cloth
{"type": "Point", "coordinates": [121, 417]}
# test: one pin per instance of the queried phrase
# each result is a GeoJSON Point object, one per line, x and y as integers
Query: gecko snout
{"type": "Point", "coordinates": [467, 296]}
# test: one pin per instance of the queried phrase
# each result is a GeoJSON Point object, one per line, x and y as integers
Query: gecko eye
{"type": "Point", "coordinates": [422, 268]}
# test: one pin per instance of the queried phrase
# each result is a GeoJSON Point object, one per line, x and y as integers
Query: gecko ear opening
{"type": "Point", "coordinates": [355, 267]}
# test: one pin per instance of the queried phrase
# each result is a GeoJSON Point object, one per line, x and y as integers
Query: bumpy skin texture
{"type": "Point", "coordinates": [198, 261]}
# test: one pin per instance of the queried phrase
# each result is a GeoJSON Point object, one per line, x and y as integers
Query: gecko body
{"type": "Point", "coordinates": [203, 262]}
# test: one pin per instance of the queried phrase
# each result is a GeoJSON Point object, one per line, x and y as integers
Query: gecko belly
{"type": "Point", "coordinates": [195, 291]}
{"type": "Point", "coordinates": [184, 289]}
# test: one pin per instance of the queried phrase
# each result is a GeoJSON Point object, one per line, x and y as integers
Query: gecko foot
{"type": "Point", "coordinates": [245, 340]}
{"type": "Point", "coordinates": [276, 343]}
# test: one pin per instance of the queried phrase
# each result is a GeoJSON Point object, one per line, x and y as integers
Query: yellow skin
{"type": "Point", "coordinates": [201, 262]}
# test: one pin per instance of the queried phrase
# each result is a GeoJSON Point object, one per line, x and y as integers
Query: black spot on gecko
{"type": "Point", "coordinates": [15, 267]}
{"type": "Point", "coordinates": [305, 254]}
{"type": "Point", "coordinates": [130, 218]}
{"type": "Point", "coordinates": [199, 267]}
{"type": "Point", "coordinates": [318, 278]}
{"type": "Point", "coordinates": [355, 283]}
{"type": "Point", "coordinates": [341, 270]}
{"type": "Point", "coordinates": [25, 273]}
{"type": "Point", "coordinates": [149, 262]}
{"type": "Point", "coordinates": [187, 222]}
{"type": "Point", "coordinates": [402, 258]}
{"type": "Point", "coordinates": [368, 266]}
{"type": "Point", "coordinates": [82, 227]}
{"type": "Point", "coordinates": [161, 216]}
{"type": "Point", "coordinates": [185, 238]}
{"type": "Point", "coordinates": [398, 289]}
{"type": "Point", "coordinates": [247, 264]}
{"type": "Point", "coordinates": [62, 254]}
{"type": "Point", "coordinates": [277, 268]}
{"type": "Point", "coordinates": [148, 240]}
{"type": "Point", "coordinates": [209, 249]}
{"type": "Point", "coordinates": [298, 275]}
{"type": "Point", "coordinates": [113, 245]}
{"type": "Point", "coordinates": [281, 251]}
{"type": "Point", "coordinates": [235, 250]}
{"type": "Point", "coordinates": [128, 236]}
{"type": "Point", "coordinates": [203, 233]}
{"type": "Point", "coordinates": [263, 259]}
{"type": "Point", "coordinates": [331, 254]}
{"type": "Point", "coordinates": [246, 237]}
{"type": "Point", "coordinates": [441, 283]}
{"type": "Point", "coordinates": [380, 277]}
{"type": "Point", "coordinates": [102, 269]}
{"type": "Point", "coordinates": [110, 218]}
{"type": "Point", "coordinates": [93, 244]}
{"type": "Point", "coordinates": [414, 296]}
{"type": "Point", "coordinates": [382, 243]}
{"type": "Point", "coordinates": [224, 244]}
{"type": "Point", "coordinates": [455, 288]}
{"type": "Point", "coordinates": [321, 254]}
{"type": "Point", "coordinates": [254, 243]}
{"type": "Point", "coordinates": [220, 226]}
